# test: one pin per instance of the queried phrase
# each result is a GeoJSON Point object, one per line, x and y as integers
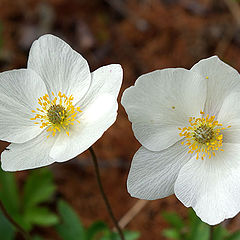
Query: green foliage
{"type": "Point", "coordinates": [36, 237]}
{"type": "Point", "coordinates": [9, 193]}
{"type": "Point", "coordinates": [108, 235]}
{"type": "Point", "coordinates": [38, 188]}
{"type": "Point", "coordinates": [6, 229]}
{"type": "Point", "coordinates": [234, 236]}
{"type": "Point", "coordinates": [197, 229]}
{"type": "Point", "coordinates": [71, 227]}
{"type": "Point", "coordinates": [194, 228]}
{"type": "Point", "coordinates": [28, 210]}
{"type": "Point", "coordinates": [174, 220]}
{"type": "Point", "coordinates": [171, 233]}
{"type": "Point", "coordinates": [95, 229]}
{"type": "Point", "coordinates": [219, 233]}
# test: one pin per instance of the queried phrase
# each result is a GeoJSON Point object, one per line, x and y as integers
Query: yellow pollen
{"type": "Point", "coordinates": [57, 114]}
{"type": "Point", "coordinates": [203, 137]}
{"type": "Point", "coordinates": [173, 107]}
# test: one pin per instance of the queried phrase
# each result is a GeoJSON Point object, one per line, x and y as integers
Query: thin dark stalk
{"type": "Point", "coordinates": [211, 233]}
{"type": "Point", "coordinates": [108, 206]}
{"type": "Point", "coordinates": [24, 234]}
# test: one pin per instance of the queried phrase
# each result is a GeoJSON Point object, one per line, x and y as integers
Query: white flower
{"type": "Point", "coordinates": [55, 109]}
{"type": "Point", "coordinates": [188, 122]}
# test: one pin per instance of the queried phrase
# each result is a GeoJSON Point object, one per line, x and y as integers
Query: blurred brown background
{"type": "Point", "coordinates": [141, 35]}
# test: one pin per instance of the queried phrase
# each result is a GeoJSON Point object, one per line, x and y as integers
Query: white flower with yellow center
{"type": "Point", "coordinates": [188, 122]}
{"type": "Point", "coordinates": [55, 109]}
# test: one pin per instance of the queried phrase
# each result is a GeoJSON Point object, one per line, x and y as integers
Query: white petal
{"type": "Point", "coordinates": [105, 80]}
{"type": "Point", "coordinates": [60, 67]}
{"type": "Point", "coordinates": [28, 155]}
{"type": "Point", "coordinates": [212, 186]}
{"type": "Point", "coordinates": [153, 174]}
{"type": "Point", "coordinates": [93, 123]}
{"type": "Point", "coordinates": [222, 79]}
{"type": "Point", "coordinates": [19, 93]}
{"type": "Point", "coordinates": [229, 115]}
{"type": "Point", "coordinates": [162, 101]}
{"type": "Point", "coordinates": [99, 113]}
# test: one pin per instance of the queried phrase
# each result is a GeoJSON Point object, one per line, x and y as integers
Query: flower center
{"type": "Point", "coordinates": [203, 136]}
{"type": "Point", "coordinates": [58, 114]}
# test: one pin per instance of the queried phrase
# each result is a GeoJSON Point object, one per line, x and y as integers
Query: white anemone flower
{"type": "Point", "coordinates": [55, 109]}
{"type": "Point", "coordinates": [188, 122]}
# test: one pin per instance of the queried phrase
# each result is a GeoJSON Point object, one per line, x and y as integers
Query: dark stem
{"type": "Point", "coordinates": [108, 206]}
{"type": "Point", "coordinates": [211, 233]}
{"type": "Point", "coordinates": [14, 223]}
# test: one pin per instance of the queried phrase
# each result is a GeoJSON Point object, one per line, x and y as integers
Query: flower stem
{"type": "Point", "coordinates": [14, 223]}
{"type": "Point", "coordinates": [211, 233]}
{"type": "Point", "coordinates": [108, 206]}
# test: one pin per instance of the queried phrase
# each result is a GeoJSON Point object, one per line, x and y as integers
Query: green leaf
{"type": "Point", "coordinates": [197, 229]}
{"type": "Point", "coordinates": [71, 227]}
{"type": "Point", "coordinates": [9, 193]}
{"type": "Point", "coordinates": [202, 232]}
{"type": "Point", "coordinates": [219, 233]}
{"type": "Point", "coordinates": [174, 220]}
{"type": "Point", "coordinates": [99, 230]}
{"type": "Point", "coordinates": [6, 229]}
{"type": "Point", "coordinates": [95, 229]}
{"type": "Point", "coordinates": [131, 235]}
{"type": "Point", "coordinates": [193, 218]}
{"type": "Point", "coordinates": [36, 237]}
{"type": "Point", "coordinates": [234, 236]}
{"type": "Point", "coordinates": [107, 236]}
{"type": "Point", "coordinates": [41, 216]}
{"type": "Point", "coordinates": [193, 222]}
{"type": "Point", "coordinates": [38, 188]}
{"type": "Point", "coordinates": [171, 233]}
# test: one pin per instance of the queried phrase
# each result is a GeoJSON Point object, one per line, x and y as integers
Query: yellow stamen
{"type": "Point", "coordinates": [57, 114]}
{"type": "Point", "coordinates": [203, 137]}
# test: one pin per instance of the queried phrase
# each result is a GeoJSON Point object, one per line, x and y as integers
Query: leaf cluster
{"type": "Point", "coordinates": [194, 228]}
{"type": "Point", "coordinates": [71, 228]}
{"type": "Point", "coordinates": [29, 209]}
